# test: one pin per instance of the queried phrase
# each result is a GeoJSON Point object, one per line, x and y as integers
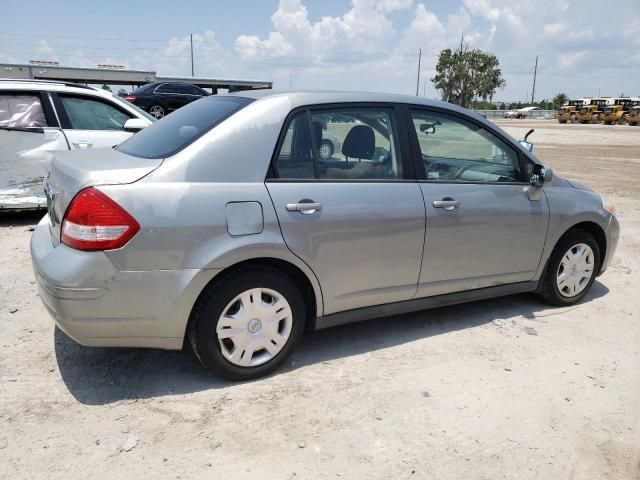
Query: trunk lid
{"type": "Point", "coordinates": [75, 170]}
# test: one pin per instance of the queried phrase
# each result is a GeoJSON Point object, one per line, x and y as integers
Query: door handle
{"type": "Point", "coordinates": [446, 203]}
{"type": "Point", "coordinates": [82, 144]}
{"type": "Point", "coordinates": [306, 208]}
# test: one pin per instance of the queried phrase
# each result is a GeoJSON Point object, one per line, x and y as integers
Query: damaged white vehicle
{"type": "Point", "coordinates": [38, 118]}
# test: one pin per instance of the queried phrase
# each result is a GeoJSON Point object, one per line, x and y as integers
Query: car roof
{"type": "Point", "coordinates": [311, 97]}
{"type": "Point", "coordinates": [52, 86]}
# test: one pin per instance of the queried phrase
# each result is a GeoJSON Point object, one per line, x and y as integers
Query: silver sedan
{"type": "Point", "coordinates": [225, 224]}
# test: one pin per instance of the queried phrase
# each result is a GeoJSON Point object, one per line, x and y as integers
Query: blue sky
{"type": "Point", "coordinates": [583, 46]}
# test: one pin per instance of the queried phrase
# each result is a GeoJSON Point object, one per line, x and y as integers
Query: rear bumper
{"type": "Point", "coordinates": [96, 304]}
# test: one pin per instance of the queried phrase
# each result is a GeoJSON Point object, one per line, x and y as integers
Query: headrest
{"type": "Point", "coordinates": [359, 143]}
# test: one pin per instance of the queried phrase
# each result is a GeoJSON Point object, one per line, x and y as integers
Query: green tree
{"type": "Point", "coordinates": [560, 100]}
{"type": "Point", "coordinates": [483, 105]}
{"type": "Point", "coordinates": [465, 75]}
{"type": "Point", "coordinates": [106, 87]}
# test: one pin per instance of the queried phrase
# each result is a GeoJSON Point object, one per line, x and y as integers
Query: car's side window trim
{"type": "Point", "coordinates": [417, 155]}
{"type": "Point", "coordinates": [65, 122]}
{"type": "Point", "coordinates": [404, 150]}
{"type": "Point", "coordinates": [314, 146]}
{"type": "Point", "coordinates": [50, 109]}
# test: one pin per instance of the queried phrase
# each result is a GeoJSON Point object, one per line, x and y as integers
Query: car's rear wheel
{"type": "Point", "coordinates": [247, 323]}
{"type": "Point", "coordinates": [156, 111]}
{"type": "Point", "coordinates": [572, 268]}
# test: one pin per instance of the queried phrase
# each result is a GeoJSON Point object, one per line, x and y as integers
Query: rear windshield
{"type": "Point", "coordinates": [182, 127]}
{"type": "Point", "coordinates": [144, 88]}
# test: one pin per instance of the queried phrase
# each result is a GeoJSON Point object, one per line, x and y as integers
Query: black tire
{"type": "Point", "coordinates": [202, 328]}
{"type": "Point", "coordinates": [158, 111]}
{"type": "Point", "coordinates": [549, 288]}
{"type": "Point", "coordinates": [562, 121]}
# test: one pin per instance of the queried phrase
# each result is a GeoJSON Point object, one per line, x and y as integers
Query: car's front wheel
{"type": "Point", "coordinates": [572, 268]}
{"type": "Point", "coordinates": [247, 323]}
{"type": "Point", "coordinates": [156, 111]}
{"type": "Point", "coordinates": [326, 149]}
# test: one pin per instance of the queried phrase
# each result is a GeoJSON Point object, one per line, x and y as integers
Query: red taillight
{"type": "Point", "coordinates": [130, 98]}
{"type": "Point", "coordinates": [95, 222]}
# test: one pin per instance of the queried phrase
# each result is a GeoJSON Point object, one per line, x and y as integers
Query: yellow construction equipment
{"type": "Point", "coordinates": [633, 117]}
{"type": "Point", "coordinates": [616, 113]}
{"type": "Point", "coordinates": [590, 112]}
{"type": "Point", "coordinates": [568, 111]}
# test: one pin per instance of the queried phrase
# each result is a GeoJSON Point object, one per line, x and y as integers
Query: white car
{"type": "Point", "coordinates": [39, 117]}
{"type": "Point", "coordinates": [521, 112]}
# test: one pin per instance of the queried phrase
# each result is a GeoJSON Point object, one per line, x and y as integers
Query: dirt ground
{"type": "Point", "coordinates": [507, 388]}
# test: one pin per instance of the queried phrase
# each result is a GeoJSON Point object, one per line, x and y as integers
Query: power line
{"type": "Point", "coordinates": [166, 40]}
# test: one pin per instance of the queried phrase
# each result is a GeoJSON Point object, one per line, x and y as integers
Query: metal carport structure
{"type": "Point", "coordinates": [111, 76]}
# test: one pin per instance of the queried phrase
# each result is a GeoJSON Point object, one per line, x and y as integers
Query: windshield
{"type": "Point", "coordinates": [141, 112]}
{"type": "Point", "coordinates": [182, 127]}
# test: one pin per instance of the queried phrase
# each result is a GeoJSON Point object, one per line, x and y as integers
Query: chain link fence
{"type": "Point", "coordinates": [539, 114]}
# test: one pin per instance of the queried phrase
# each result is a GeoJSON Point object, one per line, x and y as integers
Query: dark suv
{"type": "Point", "coordinates": [161, 98]}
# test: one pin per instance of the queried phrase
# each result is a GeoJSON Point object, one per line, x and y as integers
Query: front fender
{"type": "Point", "coordinates": [567, 208]}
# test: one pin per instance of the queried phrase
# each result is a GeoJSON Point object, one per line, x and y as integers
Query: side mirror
{"type": "Point", "coordinates": [540, 175]}
{"type": "Point", "coordinates": [134, 125]}
{"type": "Point", "coordinates": [527, 145]}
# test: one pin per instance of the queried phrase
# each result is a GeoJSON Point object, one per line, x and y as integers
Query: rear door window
{"type": "Point", "coordinates": [193, 90]}
{"type": "Point", "coordinates": [166, 88]}
{"type": "Point", "coordinates": [178, 130]}
{"type": "Point", "coordinates": [351, 143]}
{"type": "Point", "coordinates": [21, 110]}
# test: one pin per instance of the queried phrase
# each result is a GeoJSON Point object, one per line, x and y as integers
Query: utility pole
{"type": "Point", "coordinates": [418, 81]}
{"type": "Point", "coordinates": [191, 37]}
{"type": "Point", "coordinates": [535, 72]}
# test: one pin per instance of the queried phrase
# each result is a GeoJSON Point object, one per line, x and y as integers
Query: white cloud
{"type": "Point", "coordinates": [372, 44]}
{"type": "Point", "coordinates": [393, 5]}
{"type": "Point", "coordinates": [483, 8]}
{"type": "Point", "coordinates": [567, 60]}
{"type": "Point", "coordinates": [44, 48]}
{"type": "Point", "coordinates": [251, 45]}
{"type": "Point", "coordinates": [553, 29]}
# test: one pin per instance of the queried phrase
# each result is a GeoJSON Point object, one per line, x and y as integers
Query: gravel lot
{"type": "Point", "coordinates": [507, 388]}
